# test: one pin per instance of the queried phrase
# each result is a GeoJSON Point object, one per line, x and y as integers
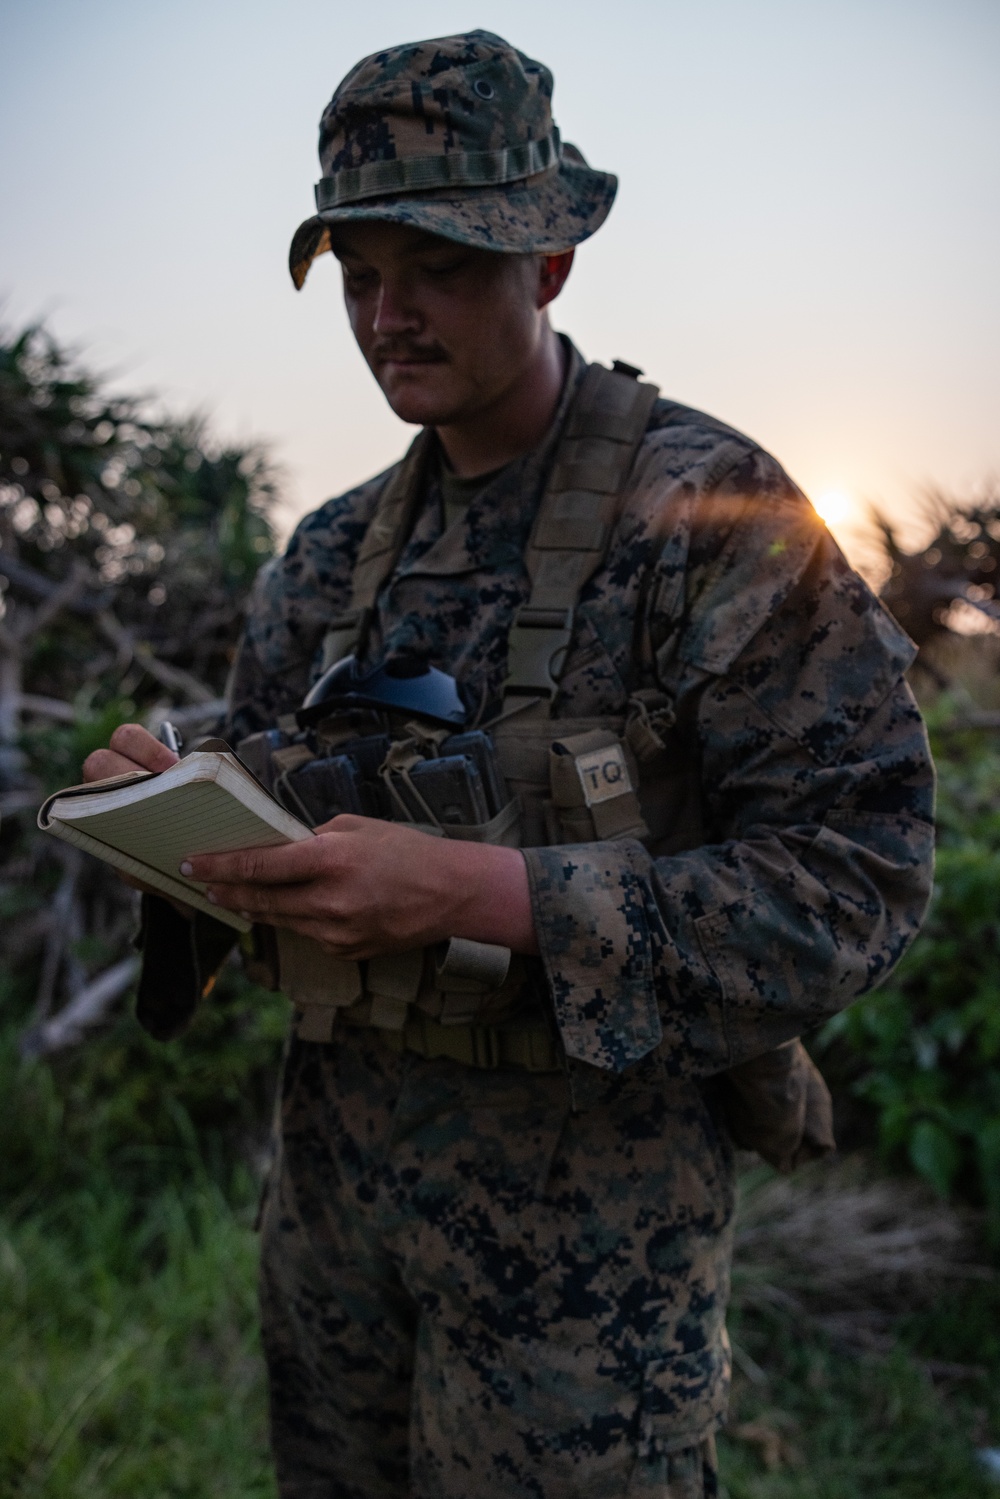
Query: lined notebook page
{"type": "Point", "coordinates": [194, 818]}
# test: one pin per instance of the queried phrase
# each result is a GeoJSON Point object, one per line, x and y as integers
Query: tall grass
{"type": "Point", "coordinates": [129, 1180]}
{"type": "Point", "coordinates": [866, 1334]}
{"type": "Point", "coordinates": [130, 1348]}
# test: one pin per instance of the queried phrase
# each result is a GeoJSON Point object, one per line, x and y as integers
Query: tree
{"type": "Point", "coordinates": [957, 566]}
{"type": "Point", "coordinates": [128, 541]}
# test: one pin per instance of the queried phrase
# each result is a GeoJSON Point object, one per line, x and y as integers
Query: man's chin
{"type": "Point", "coordinates": [422, 401]}
{"type": "Point", "coordinates": [422, 409]}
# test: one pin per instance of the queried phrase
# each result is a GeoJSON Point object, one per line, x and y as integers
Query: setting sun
{"type": "Point", "coordinates": [834, 506]}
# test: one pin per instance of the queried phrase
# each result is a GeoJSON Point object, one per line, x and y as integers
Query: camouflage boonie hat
{"type": "Point", "coordinates": [453, 136]}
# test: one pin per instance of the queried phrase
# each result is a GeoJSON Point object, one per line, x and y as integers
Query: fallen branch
{"type": "Point", "coordinates": [89, 1008]}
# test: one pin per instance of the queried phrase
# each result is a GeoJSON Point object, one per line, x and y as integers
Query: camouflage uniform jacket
{"type": "Point", "coordinates": [792, 737]}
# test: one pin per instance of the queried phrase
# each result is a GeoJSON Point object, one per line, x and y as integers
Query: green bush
{"type": "Point", "coordinates": [925, 1049]}
{"type": "Point", "coordinates": [140, 1113]}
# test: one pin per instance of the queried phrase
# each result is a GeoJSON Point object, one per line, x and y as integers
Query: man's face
{"type": "Point", "coordinates": [446, 329]}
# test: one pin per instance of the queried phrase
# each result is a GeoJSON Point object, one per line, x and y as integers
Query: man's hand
{"type": "Point", "coordinates": [363, 886]}
{"type": "Point", "coordinates": [132, 748]}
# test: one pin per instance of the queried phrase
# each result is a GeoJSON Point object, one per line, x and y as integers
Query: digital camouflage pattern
{"type": "Point", "coordinates": [454, 136]}
{"type": "Point", "coordinates": [469, 1287]}
{"type": "Point", "coordinates": [556, 1249]}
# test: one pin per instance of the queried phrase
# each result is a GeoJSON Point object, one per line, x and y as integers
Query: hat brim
{"type": "Point", "coordinates": [539, 215]}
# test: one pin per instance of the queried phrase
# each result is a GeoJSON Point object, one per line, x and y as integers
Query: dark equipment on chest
{"type": "Point", "coordinates": [404, 685]}
{"type": "Point", "coordinates": [377, 744]}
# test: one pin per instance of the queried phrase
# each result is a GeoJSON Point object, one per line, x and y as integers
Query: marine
{"type": "Point", "coordinates": [496, 1241]}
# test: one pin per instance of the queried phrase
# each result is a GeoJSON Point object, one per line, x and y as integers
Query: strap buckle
{"type": "Point", "coordinates": [343, 635]}
{"type": "Point", "coordinates": [536, 651]}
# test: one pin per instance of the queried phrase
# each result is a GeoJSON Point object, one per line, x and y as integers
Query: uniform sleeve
{"type": "Point", "coordinates": [817, 790]}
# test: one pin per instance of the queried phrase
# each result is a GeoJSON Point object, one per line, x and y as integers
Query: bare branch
{"type": "Point", "coordinates": [28, 800]}
{"type": "Point", "coordinates": [89, 1008]}
{"type": "Point", "coordinates": [63, 596]}
{"type": "Point", "coordinates": [984, 719]}
{"type": "Point", "coordinates": [11, 672]}
{"type": "Point", "coordinates": [37, 586]}
{"type": "Point", "coordinates": [167, 676]}
{"type": "Point", "coordinates": [46, 707]}
{"type": "Point", "coordinates": [26, 935]}
{"type": "Point", "coordinates": [59, 934]}
{"type": "Point", "coordinates": [187, 718]}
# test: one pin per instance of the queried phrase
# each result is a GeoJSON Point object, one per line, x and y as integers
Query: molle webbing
{"type": "Point", "coordinates": [530, 1046]}
{"type": "Point", "coordinates": [380, 550]}
{"type": "Point", "coordinates": [604, 427]}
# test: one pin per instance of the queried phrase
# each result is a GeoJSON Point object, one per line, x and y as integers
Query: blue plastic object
{"type": "Point", "coordinates": [401, 686]}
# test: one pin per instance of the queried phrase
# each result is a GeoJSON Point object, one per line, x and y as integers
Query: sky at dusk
{"type": "Point", "coordinates": [806, 240]}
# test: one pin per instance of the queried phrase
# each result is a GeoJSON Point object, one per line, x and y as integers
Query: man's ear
{"type": "Point", "coordinates": [553, 270]}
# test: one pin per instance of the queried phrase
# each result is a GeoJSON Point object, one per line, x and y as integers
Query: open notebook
{"type": "Point", "coordinates": [145, 824]}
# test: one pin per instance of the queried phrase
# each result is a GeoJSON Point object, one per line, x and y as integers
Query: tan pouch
{"type": "Point", "coordinates": [315, 982]}
{"type": "Point", "coordinates": [594, 779]}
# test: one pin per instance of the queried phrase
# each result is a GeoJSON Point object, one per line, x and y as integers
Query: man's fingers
{"type": "Point", "coordinates": [304, 901]}
{"type": "Point", "coordinates": [138, 744]}
{"type": "Point", "coordinates": [103, 763]}
{"type": "Point", "coordinates": [300, 908]}
{"type": "Point", "coordinates": [288, 864]}
{"type": "Point", "coordinates": [132, 748]}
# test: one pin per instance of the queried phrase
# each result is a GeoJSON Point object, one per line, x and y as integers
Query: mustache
{"type": "Point", "coordinates": [409, 349]}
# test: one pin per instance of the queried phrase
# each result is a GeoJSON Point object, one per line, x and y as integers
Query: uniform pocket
{"type": "Point", "coordinates": [692, 1473]}
{"type": "Point", "coordinates": [680, 1406]}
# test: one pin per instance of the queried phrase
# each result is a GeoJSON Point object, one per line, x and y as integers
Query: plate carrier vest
{"type": "Point", "coordinates": [571, 780]}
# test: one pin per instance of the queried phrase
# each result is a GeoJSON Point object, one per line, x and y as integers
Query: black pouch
{"type": "Point", "coordinates": [321, 789]}
{"type": "Point", "coordinates": [449, 789]}
{"type": "Point", "coordinates": [481, 750]}
{"type": "Point", "coordinates": [367, 755]}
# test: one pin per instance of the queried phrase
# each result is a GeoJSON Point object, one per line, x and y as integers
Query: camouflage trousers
{"type": "Point", "coordinates": [493, 1283]}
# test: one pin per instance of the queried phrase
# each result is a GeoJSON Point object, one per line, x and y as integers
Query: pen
{"type": "Point", "coordinates": [170, 737]}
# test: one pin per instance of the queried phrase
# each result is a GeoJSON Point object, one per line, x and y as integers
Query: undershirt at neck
{"type": "Point", "coordinates": [457, 494]}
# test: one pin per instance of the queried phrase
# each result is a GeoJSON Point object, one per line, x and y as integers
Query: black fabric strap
{"type": "Point", "coordinates": [180, 957]}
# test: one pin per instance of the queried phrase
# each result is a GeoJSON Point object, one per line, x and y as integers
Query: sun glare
{"type": "Point", "coordinates": [834, 505]}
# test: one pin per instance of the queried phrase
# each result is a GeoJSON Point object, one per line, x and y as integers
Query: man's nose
{"type": "Point", "coordinates": [394, 309]}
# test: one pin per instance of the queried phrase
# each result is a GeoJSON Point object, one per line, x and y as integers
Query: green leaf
{"type": "Point", "coordinates": [935, 1154]}
{"type": "Point", "coordinates": [988, 1161]}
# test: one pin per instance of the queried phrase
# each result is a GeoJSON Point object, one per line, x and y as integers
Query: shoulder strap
{"type": "Point", "coordinates": [576, 516]}
{"type": "Point", "coordinates": [383, 542]}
